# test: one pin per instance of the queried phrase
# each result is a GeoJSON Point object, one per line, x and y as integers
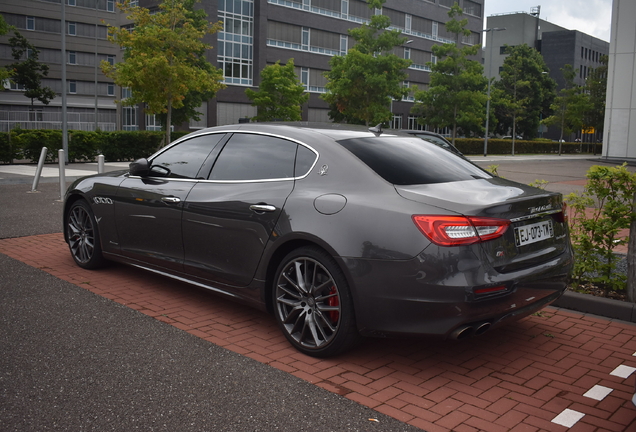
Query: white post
{"type": "Point", "coordinates": [38, 171]}
{"type": "Point", "coordinates": [100, 164]}
{"type": "Point", "coordinates": [62, 174]}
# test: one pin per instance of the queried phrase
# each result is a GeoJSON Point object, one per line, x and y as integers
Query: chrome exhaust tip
{"type": "Point", "coordinates": [462, 332]}
{"type": "Point", "coordinates": [482, 328]}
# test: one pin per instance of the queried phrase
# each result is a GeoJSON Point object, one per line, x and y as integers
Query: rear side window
{"type": "Point", "coordinates": [255, 157]}
{"type": "Point", "coordinates": [410, 161]}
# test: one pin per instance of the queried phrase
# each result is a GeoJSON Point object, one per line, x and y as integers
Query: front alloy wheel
{"type": "Point", "coordinates": [313, 304]}
{"type": "Point", "coordinates": [83, 236]}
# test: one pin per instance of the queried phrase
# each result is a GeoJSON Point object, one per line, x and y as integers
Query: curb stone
{"type": "Point", "coordinates": [601, 306]}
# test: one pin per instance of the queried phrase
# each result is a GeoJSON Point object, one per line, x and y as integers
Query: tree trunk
{"type": "Point", "coordinates": [631, 258]}
{"type": "Point", "coordinates": [168, 122]}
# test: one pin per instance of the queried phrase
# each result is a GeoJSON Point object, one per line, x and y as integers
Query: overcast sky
{"type": "Point", "coordinates": [588, 16]}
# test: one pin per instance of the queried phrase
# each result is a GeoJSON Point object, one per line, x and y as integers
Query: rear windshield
{"type": "Point", "coordinates": [410, 161]}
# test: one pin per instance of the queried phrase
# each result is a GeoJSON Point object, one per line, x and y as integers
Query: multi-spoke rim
{"type": "Point", "coordinates": [81, 234]}
{"type": "Point", "coordinates": [308, 303]}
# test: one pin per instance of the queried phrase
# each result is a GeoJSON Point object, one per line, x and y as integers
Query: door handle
{"type": "Point", "coordinates": [260, 208]}
{"type": "Point", "coordinates": [171, 200]}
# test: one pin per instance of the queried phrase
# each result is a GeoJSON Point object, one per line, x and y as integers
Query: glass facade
{"type": "Point", "coordinates": [236, 41]}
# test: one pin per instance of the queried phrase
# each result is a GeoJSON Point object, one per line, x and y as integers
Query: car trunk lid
{"type": "Point", "coordinates": [538, 230]}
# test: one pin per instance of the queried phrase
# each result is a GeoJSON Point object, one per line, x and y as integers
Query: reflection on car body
{"type": "Point", "coordinates": [338, 232]}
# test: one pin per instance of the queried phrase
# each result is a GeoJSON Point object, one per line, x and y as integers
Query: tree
{"type": "Point", "coordinates": [456, 95]}
{"type": "Point", "coordinates": [526, 92]}
{"type": "Point", "coordinates": [4, 29]}
{"type": "Point", "coordinates": [361, 84]}
{"type": "Point", "coordinates": [164, 59]}
{"type": "Point", "coordinates": [27, 72]}
{"type": "Point", "coordinates": [280, 94]}
{"type": "Point", "coordinates": [596, 88]}
{"type": "Point", "coordinates": [569, 107]}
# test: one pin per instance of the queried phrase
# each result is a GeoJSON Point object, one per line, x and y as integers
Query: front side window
{"type": "Point", "coordinates": [185, 159]}
{"type": "Point", "coordinates": [255, 157]}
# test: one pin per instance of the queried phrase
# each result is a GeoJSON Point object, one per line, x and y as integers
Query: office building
{"type": "Point", "coordinates": [256, 33]}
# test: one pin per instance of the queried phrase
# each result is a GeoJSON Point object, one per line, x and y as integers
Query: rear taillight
{"type": "Point", "coordinates": [460, 230]}
{"type": "Point", "coordinates": [562, 216]}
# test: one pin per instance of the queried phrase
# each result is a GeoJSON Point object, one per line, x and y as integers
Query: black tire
{"type": "Point", "coordinates": [313, 304]}
{"type": "Point", "coordinates": [83, 236]}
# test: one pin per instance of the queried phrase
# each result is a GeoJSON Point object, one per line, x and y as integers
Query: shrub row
{"type": "Point", "coordinates": [474, 146]}
{"type": "Point", "coordinates": [131, 145]}
{"type": "Point", "coordinates": [82, 146]}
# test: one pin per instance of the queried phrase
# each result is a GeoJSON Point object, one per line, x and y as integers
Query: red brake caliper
{"type": "Point", "coordinates": [333, 301]}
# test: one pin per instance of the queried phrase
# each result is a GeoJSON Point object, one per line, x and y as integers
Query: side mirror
{"type": "Point", "coordinates": [140, 167]}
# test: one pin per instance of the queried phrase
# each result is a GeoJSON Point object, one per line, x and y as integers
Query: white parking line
{"type": "Point", "coordinates": [598, 392]}
{"type": "Point", "coordinates": [623, 371]}
{"type": "Point", "coordinates": [568, 418]}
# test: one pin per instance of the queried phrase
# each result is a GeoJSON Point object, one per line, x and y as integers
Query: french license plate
{"type": "Point", "coordinates": [533, 233]}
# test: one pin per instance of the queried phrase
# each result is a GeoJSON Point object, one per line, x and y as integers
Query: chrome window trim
{"type": "Point", "coordinates": [231, 131]}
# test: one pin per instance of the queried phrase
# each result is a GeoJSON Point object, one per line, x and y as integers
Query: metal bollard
{"type": "Point", "coordinates": [62, 174]}
{"type": "Point", "coordinates": [38, 171]}
{"type": "Point", "coordinates": [100, 164]}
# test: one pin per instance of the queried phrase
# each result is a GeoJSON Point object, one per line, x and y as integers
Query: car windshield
{"type": "Point", "coordinates": [410, 161]}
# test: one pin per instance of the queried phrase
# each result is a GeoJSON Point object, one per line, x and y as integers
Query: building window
{"type": "Point", "coordinates": [30, 23]}
{"type": "Point", "coordinates": [133, 3]}
{"type": "Point", "coordinates": [110, 59]}
{"type": "Point", "coordinates": [344, 44]}
{"type": "Point", "coordinates": [111, 89]}
{"type": "Point", "coordinates": [72, 57]}
{"type": "Point", "coordinates": [344, 8]}
{"type": "Point", "coordinates": [128, 113]}
{"type": "Point", "coordinates": [435, 29]}
{"type": "Point", "coordinates": [407, 22]}
{"type": "Point", "coordinates": [72, 28]}
{"type": "Point", "coordinates": [307, 5]}
{"type": "Point", "coordinates": [304, 77]}
{"type": "Point", "coordinates": [71, 3]}
{"type": "Point", "coordinates": [305, 39]}
{"type": "Point", "coordinates": [407, 53]}
{"type": "Point", "coordinates": [152, 123]}
{"type": "Point", "coordinates": [72, 87]}
{"type": "Point", "coordinates": [235, 42]}
{"type": "Point", "coordinates": [110, 5]}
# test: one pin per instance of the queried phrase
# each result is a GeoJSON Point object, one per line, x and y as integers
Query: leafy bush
{"type": "Point", "coordinates": [599, 213]}
{"type": "Point", "coordinates": [82, 146]}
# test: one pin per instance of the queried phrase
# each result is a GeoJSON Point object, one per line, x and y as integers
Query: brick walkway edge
{"type": "Point", "coordinates": [554, 371]}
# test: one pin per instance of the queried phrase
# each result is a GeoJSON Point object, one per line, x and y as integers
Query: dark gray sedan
{"type": "Point", "coordinates": [337, 232]}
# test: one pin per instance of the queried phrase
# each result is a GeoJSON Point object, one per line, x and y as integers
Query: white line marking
{"type": "Point", "coordinates": [623, 371]}
{"type": "Point", "coordinates": [568, 418]}
{"type": "Point", "coordinates": [598, 392]}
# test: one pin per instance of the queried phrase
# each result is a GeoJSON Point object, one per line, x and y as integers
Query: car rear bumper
{"type": "Point", "coordinates": [415, 297]}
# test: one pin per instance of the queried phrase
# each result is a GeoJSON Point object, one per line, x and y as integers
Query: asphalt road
{"type": "Point", "coordinates": [72, 360]}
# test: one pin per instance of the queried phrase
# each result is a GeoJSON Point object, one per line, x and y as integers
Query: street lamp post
{"type": "Point", "coordinates": [489, 82]}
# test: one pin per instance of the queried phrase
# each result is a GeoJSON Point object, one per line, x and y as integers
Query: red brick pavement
{"type": "Point", "coordinates": [518, 378]}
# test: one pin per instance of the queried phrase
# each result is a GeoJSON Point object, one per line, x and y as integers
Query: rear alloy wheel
{"type": "Point", "coordinates": [83, 236]}
{"type": "Point", "coordinates": [313, 305]}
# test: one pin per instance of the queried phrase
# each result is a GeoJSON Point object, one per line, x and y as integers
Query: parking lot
{"type": "Point", "coordinates": [556, 370]}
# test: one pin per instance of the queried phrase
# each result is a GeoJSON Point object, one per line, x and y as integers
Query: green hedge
{"type": "Point", "coordinates": [131, 145]}
{"type": "Point", "coordinates": [83, 146]}
{"type": "Point", "coordinates": [475, 146]}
